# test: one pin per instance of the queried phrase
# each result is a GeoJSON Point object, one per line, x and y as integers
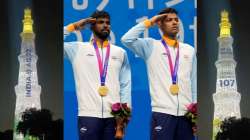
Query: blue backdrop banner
{"type": "Point", "coordinates": [124, 15]}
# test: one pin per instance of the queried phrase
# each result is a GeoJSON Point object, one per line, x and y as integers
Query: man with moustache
{"type": "Point", "coordinates": [102, 76]}
{"type": "Point", "coordinates": [171, 68]}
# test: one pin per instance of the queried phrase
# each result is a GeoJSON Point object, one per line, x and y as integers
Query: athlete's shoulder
{"type": "Point", "coordinates": [117, 48]}
{"type": "Point", "coordinates": [186, 46]}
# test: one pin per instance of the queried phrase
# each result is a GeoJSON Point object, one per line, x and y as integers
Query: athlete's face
{"type": "Point", "coordinates": [102, 28]}
{"type": "Point", "coordinates": [170, 25]}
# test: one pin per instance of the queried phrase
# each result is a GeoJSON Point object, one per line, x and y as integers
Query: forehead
{"type": "Point", "coordinates": [172, 15]}
{"type": "Point", "coordinates": [102, 19]}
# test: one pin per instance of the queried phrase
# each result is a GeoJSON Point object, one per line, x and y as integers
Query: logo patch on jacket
{"type": "Point", "coordinates": [186, 56]}
{"type": "Point", "coordinates": [164, 54]}
{"type": "Point", "coordinates": [158, 128]}
{"type": "Point", "coordinates": [89, 54]}
{"type": "Point", "coordinates": [116, 58]}
{"type": "Point", "coordinates": [83, 129]}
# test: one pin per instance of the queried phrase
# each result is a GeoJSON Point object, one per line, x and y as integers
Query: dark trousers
{"type": "Point", "coordinates": [91, 128]}
{"type": "Point", "coordinates": [169, 127]}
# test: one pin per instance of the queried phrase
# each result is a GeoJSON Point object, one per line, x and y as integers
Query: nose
{"type": "Point", "coordinates": [175, 22]}
{"type": "Point", "coordinates": [106, 25]}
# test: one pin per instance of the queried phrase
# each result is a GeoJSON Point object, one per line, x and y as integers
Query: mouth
{"type": "Point", "coordinates": [175, 28]}
{"type": "Point", "coordinates": [105, 31]}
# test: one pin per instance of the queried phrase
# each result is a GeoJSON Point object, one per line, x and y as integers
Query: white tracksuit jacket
{"type": "Point", "coordinates": [87, 79]}
{"type": "Point", "coordinates": [154, 54]}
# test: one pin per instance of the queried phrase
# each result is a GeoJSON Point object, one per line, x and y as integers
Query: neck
{"type": "Point", "coordinates": [101, 43]}
{"type": "Point", "coordinates": [170, 41]}
{"type": "Point", "coordinates": [99, 39]}
{"type": "Point", "coordinates": [173, 37]}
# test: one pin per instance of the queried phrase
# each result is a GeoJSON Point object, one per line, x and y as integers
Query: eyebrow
{"type": "Point", "coordinates": [172, 17]}
{"type": "Point", "coordinates": [175, 18]}
{"type": "Point", "coordinates": [102, 21]}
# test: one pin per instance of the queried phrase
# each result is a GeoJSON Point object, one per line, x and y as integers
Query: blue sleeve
{"type": "Point", "coordinates": [125, 81]}
{"type": "Point", "coordinates": [194, 79]}
{"type": "Point", "coordinates": [140, 46]}
{"type": "Point", "coordinates": [70, 48]}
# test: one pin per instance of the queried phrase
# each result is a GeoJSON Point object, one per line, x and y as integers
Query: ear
{"type": "Point", "coordinates": [159, 24]}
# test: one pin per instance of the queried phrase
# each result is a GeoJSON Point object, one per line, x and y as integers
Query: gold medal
{"type": "Point", "coordinates": [174, 89]}
{"type": "Point", "coordinates": [103, 90]}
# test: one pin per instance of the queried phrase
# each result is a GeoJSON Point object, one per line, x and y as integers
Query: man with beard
{"type": "Point", "coordinates": [102, 76]}
{"type": "Point", "coordinates": [171, 68]}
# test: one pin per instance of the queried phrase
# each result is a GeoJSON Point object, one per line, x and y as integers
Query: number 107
{"type": "Point", "coordinates": [227, 82]}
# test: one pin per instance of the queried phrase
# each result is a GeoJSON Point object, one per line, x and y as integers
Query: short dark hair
{"type": "Point", "coordinates": [168, 10]}
{"type": "Point", "coordinates": [100, 14]}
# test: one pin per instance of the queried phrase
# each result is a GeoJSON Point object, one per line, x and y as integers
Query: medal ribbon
{"type": "Point", "coordinates": [176, 65]}
{"type": "Point", "coordinates": [102, 68]}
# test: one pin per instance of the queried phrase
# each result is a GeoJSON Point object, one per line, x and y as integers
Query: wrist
{"type": "Point", "coordinates": [71, 27]}
{"type": "Point", "coordinates": [148, 23]}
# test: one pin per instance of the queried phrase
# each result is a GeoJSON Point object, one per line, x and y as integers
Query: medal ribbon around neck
{"type": "Point", "coordinates": [102, 67]}
{"type": "Point", "coordinates": [174, 69]}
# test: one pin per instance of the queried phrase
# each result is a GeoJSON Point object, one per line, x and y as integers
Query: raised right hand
{"type": "Point", "coordinates": [157, 18]}
{"type": "Point", "coordinates": [79, 25]}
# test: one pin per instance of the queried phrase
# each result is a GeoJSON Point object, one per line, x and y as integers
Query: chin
{"type": "Point", "coordinates": [175, 33]}
{"type": "Point", "coordinates": [103, 36]}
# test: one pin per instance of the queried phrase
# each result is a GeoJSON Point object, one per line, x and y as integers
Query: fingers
{"type": "Point", "coordinates": [90, 20]}
{"type": "Point", "coordinates": [85, 21]}
{"type": "Point", "coordinates": [81, 23]}
{"type": "Point", "coordinates": [158, 18]}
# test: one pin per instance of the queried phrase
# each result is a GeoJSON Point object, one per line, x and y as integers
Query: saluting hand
{"type": "Point", "coordinates": [157, 18]}
{"type": "Point", "coordinates": [79, 25]}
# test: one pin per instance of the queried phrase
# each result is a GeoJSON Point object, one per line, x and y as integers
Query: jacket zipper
{"type": "Point", "coordinates": [177, 96]}
{"type": "Point", "coordinates": [101, 96]}
{"type": "Point", "coordinates": [177, 105]}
